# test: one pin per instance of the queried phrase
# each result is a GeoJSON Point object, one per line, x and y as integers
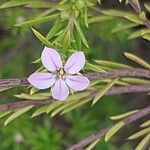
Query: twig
{"type": "Point", "coordinates": [138, 10]}
{"type": "Point", "coordinates": [112, 91]}
{"type": "Point", "coordinates": [134, 72]}
{"type": "Point", "coordinates": [102, 132]}
{"type": "Point", "coordinates": [21, 104]}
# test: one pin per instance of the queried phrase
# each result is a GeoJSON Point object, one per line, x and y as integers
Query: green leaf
{"type": "Point", "coordinates": [57, 110]}
{"type": "Point", "coordinates": [81, 34]}
{"type": "Point", "coordinates": [147, 6]}
{"type": "Point", "coordinates": [142, 145]}
{"type": "Point", "coordinates": [40, 111]}
{"type": "Point", "coordinates": [14, 3]}
{"type": "Point", "coordinates": [42, 38]}
{"type": "Point", "coordinates": [77, 40]}
{"type": "Point", "coordinates": [111, 64]}
{"type": "Point", "coordinates": [120, 116]}
{"type": "Point", "coordinates": [137, 60]}
{"type": "Point", "coordinates": [3, 114]}
{"type": "Point", "coordinates": [67, 39]}
{"type": "Point", "coordinates": [75, 105]}
{"type": "Point", "coordinates": [86, 18]}
{"type": "Point", "coordinates": [92, 145]}
{"type": "Point", "coordinates": [117, 82]}
{"type": "Point", "coordinates": [134, 18]}
{"type": "Point", "coordinates": [124, 27]}
{"type": "Point", "coordinates": [113, 130]}
{"type": "Point", "coordinates": [146, 36]}
{"type": "Point", "coordinates": [135, 80]}
{"type": "Point", "coordinates": [17, 114]}
{"type": "Point", "coordinates": [114, 13]}
{"type": "Point", "coordinates": [135, 34]}
{"type": "Point", "coordinates": [33, 90]}
{"type": "Point", "coordinates": [46, 12]}
{"type": "Point", "coordinates": [38, 96]}
{"type": "Point", "coordinates": [4, 88]}
{"type": "Point", "coordinates": [118, 13]}
{"type": "Point", "coordinates": [40, 4]}
{"type": "Point", "coordinates": [53, 106]}
{"type": "Point", "coordinates": [98, 19]}
{"type": "Point", "coordinates": [37, 21]}
{"type": "Point", "coordinates": [71, 100]}
{"type": "Point", "coordinates": [94, 68]}
{"type": "Point", "coordinates": [104, 90]}
{"type": "Point", "coordinates": [139, 33]}
{"type": "Point", "coordinates": [139, 134]}
{"type": "Point", "coordinates": [145, 124]}
{"type": "Point", "coordinates": [58, 25]}
{"type": "Point", "coordinates": [27, 3]}
{"type": "Point", "coordinates": [36, 61]}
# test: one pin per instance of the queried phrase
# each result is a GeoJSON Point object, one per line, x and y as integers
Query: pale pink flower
{"type": "Point", "coordinates": [60, 77]}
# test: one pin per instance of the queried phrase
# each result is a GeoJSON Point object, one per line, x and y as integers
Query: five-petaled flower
{"type": "Point", "coordinates": [61, 77]}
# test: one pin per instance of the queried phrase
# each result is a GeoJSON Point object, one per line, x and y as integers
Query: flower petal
{"type": "Point", "coordinates": [75, 63]}
{"type": "Point", "coordinates": [41, 80]}
{"type": "Point", "coordinates": [51, 59]}
{"type": "Point", "coordinates": [78, 83]}
{"type": "Point", "coordinates": [60, 91]}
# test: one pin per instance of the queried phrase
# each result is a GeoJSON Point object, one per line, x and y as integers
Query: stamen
{"type": "Point", "coordinates": [61, 73]}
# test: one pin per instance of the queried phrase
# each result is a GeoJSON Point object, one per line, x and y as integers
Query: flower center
{"type": "Point", "coordinates": [61, 73]}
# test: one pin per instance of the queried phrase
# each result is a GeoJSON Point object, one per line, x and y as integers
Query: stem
{"type": "Point", "coordinates": [101, 133]}
{"type": "Point", "coordinates": [139, 11]}
{"type": "Point", "coordinates": [112, 91]}
{"type": "Point", "coordinates": [134, 72]}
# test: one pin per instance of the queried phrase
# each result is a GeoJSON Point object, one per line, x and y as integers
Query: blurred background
{"type": "Point", "coordinates": [19, 47]}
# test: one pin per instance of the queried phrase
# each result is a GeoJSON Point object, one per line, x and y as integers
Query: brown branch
{"type": "Point", "coordinates": [134, 72]}
{"type": "Point", "coordinates": [112, 91]}
{"type": "Point", "coordinates": [138, 10]}
{"type": "Point", "coordinates": [13, 82]}
{"type": "Point", "coordinates": [102, 132]}
{"type": "Point", "coordinates": [21, 104]}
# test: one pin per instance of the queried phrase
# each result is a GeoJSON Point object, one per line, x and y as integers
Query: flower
{"type": "Point", "coordinates": [60, 77]}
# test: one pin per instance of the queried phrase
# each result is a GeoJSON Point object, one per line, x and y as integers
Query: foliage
{"type": "Point", "coordinates": [69, 26]}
